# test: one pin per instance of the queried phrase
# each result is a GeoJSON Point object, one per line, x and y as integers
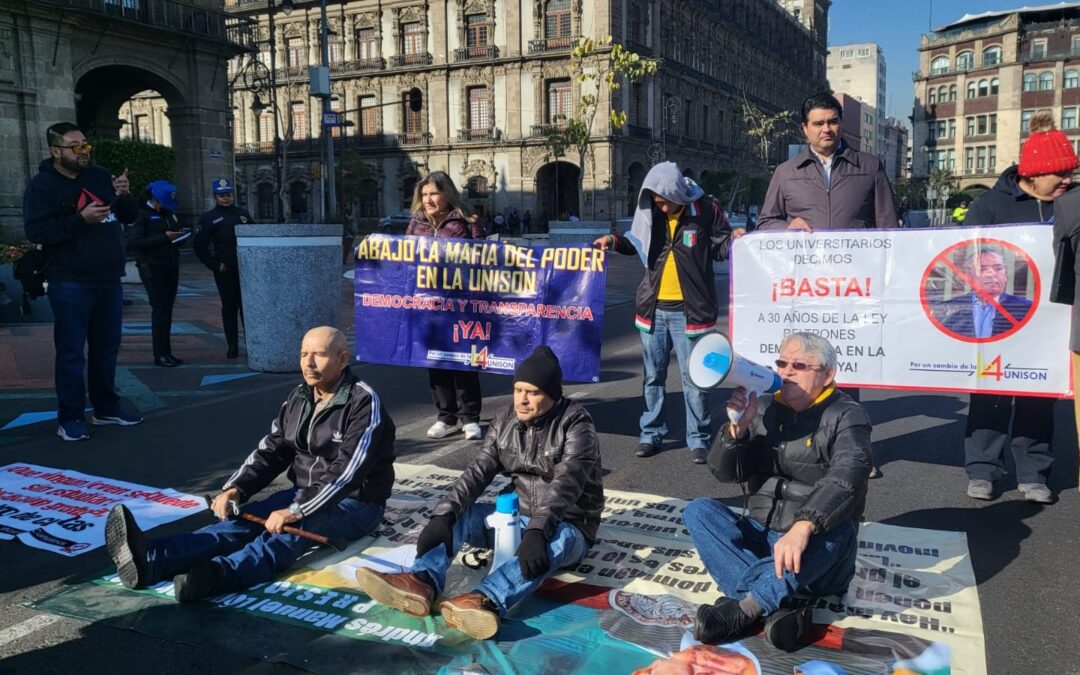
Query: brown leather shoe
{"type": "Point", "coordinates": [473, 614]}
{"type": "Point", "coordinates": [404, 591]}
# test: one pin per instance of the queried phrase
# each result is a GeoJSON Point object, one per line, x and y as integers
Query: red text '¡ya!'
{"type": "Point", "coordinates": [821, 287]}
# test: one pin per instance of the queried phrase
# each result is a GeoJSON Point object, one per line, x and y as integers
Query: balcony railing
{"type": "Point", "coordinates": [171, 16]}
{"type": "Point", "coordinates": [541, 130]}
{"type": "Point", "coordinates": [262, 147]}
{"type": "Point", "coordinates": [291, 73]}
{"type": "Point", "coordinates": [475, 135]}
{"type": "Point", "coordinates": [414, 138]}
{"type": "Point", "coordinates": [476, 53]}
{"type": "Point", "coordinates": [544, 45]}
{"type": "Point", "coordinates": [402, 60]}
{"type": "Point", "coordinates": [358, 65]}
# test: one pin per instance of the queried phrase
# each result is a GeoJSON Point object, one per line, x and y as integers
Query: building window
{"type": "Point", "coordinates": [952, 128]}
{"type": "Point", "coordinates": [984, 88]}
{"type": "Point", "coordinates": [1072, 79]}
{"type": "Point", "coordinates": [980, 159]}
{"type": "Point", "coordinates": [705, 121]}
{"type": "Point", "coordinates": [993, 123]}
{"type": "Point", "coordinates": [1068, 118]}
{"type": "Point", "coordinates": [950, 163]}
{"type": "Point", "coordinates": [952, 92]}
{"type": "Point", "coordinates": [412, 39]}
{"type": "Point", "coordinates": [299, 121]}
{"type": "Point", "coordinates": [970, 126]}
{"type": "Point", "coordinates": [1038, 49]}
{"type": "Point", "coordinates": [366, 46]}
{"type": "Point", "coordinates": [992, 159]}
{"type": "Point", "coordinates": [266, 200]}
{"type": "Point", "coordinates": [479, 109]}
{"type": "Point", "coordinates": [557, 19]}
{"type": "Point", "coordinates": [337, 50]}
{"type": "Point", "coordinates": [939, 66]}
{"type": "Point", "coordinates": [969, 160]}
{"type": "Point", "coordinates": [1046, 81]}
{"type": "Point", "coordinates": [266, 127]}
{"type": "Point", "coordinates": [558, 101]}
{"type": "Point", "coordinates": [142, 129]}
{"type": "Point", "coordinates": [994, 84]}
{"type": "Point", "coordinates": [864, 51]}
{"type": "Point", "coordinates": [971, 89]}
{"type": "Point", "coordinates": [981, 125]}
{"type": "Point", "coordinates": [1025, 120]}
{"type": "Point", "coordinates": [477, 29]}
{"type": "Point", "coordinates": [965, 61]}
{"type": "Point", "coordinates": [931, 96]}
{"type": "Point", "coordinates": [1076, 46]}
{"type": "Point", "coordinates": [414, 121]}
{"type": "Point", "coordinates": [991, 56]}
{"type": "Point", "coordinates": [1030, 81]}
{"type": "Point", "coordinates": [942, 94]}
{"type": "Point", "coordinates": [296, 52]}
{"type": "Point", "coordinates": [477, 187]}
{"type": "Point", "coordinates": [637, 103]}
{"type": "Point", "coordinates": [847, 53]}
{"type": "Point", "coordinates": [369, 119]}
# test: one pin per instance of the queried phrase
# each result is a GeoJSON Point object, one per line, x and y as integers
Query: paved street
{"type": "Point", "coordinates": [204, 418]}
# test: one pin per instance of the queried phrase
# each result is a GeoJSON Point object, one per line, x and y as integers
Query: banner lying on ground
{"type": "Point", "coordinates": [64, 511]}
{"type": "Point", "coordinates": [945, 309]}
{"type": "Point", "coordinates": [477, 304]}
{"type": "Point", "coordinates": [632, 598]}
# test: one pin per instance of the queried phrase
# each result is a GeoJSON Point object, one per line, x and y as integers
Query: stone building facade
{"type": "Point", "coordinates": [981, 79]}
{"type": "Point", "coordinates": [495, 74]}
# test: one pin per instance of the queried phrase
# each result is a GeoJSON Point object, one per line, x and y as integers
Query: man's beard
{"type": "Point", "coordinates": [73, 165]}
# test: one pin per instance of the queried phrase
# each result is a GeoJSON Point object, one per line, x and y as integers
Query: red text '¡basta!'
{"type": "Point", "coordinates": [821, 287]}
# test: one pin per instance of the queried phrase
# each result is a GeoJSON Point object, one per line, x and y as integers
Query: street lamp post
{"type": "Point", "coordinates": [279, 182]}
{"type": "Point", "coordinates": [328, 138]}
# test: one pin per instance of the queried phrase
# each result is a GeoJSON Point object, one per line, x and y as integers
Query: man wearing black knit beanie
{"type": "Point", "coordinates": [549, 447]}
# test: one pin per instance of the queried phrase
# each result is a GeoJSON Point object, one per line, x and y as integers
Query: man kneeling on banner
{"type": "Point", "coordinates": [549, 447]}
{"type": "Point", "coordinates": [804, 459]}
{"type": "Point", "coordinates": [337, 442]}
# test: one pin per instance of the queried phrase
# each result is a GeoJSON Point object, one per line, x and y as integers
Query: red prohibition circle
{"type": "Point", "coordinates": [943, 259]}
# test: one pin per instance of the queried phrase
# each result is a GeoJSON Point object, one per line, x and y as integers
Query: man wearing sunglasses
{"type": "Point", "coordinates": [804, 458]}
{"type": "Point", "coordinates": [76, 210]}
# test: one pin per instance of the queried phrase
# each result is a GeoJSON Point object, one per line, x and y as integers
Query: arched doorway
{"type": "Point", "coordinates": [557, 191]}
{"type": "Point", "coordinates": [635, 178]}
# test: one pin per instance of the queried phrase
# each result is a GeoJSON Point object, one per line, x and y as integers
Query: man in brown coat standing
{"type": "Point", "coordinates": [827, 186]}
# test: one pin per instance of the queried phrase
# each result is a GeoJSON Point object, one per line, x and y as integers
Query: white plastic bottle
{"type": "Point", "coordinates": [506, 524]}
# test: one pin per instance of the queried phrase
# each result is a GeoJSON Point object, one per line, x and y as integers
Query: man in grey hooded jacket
{"type": "Point", "coordinates": [677, 233]}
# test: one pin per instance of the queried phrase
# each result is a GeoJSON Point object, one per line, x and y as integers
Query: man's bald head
{"type": "Point", "coordinates": [324, 354]}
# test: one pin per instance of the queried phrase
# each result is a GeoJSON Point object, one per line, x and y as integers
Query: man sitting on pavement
{"type": "Point", "coordinates": [805, 460]}
{"type": "Point", "coordinates": [337, 441]}
{"type": "Point", "coordinates": [549, 447]}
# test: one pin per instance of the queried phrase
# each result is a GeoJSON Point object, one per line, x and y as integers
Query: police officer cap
{"type": "Point", "coordinates": [222, 186]}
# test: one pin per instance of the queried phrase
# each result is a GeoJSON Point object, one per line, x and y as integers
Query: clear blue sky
{"type": "Point", "coordinates": [898, 27]}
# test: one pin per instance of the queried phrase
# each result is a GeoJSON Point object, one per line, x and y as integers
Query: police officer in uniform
{"type": "Point", "coordinates": [155, 238]}
{"type": "Point", "coordinates": [215, 244]}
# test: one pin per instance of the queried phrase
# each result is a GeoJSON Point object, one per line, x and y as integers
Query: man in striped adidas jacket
{"type": "Point", "coordinates": [337, 442]}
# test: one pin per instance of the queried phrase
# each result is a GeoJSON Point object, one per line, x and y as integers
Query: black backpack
{"type": "Point", "coordinates": [30, 272]}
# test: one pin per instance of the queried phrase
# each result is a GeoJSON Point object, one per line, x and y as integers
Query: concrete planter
{"type": "Point", "coordinates": [290, 279]}
{"type": "Point", "coordinates": [565, 233]}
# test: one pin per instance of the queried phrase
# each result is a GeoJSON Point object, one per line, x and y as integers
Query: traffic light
{"type": "Point", "coordinates": [416, 99]}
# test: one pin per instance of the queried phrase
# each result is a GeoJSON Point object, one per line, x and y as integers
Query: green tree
{"type": "Point", "coordinates": [598, 67]}
{"type": "Point", "coordinates": [144, 162]}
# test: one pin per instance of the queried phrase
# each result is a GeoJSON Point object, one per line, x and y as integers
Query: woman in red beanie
{"type": "Point", "coordinates": [1023, 194]}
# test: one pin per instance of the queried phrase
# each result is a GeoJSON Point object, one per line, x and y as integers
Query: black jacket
{"type": "Point", "coordinates": [702, 236]}
{"type": "Point", "coordinates": [1006, 203]}
{"type": "Point", "coordinates": [78, 251]}
{"type": "Point", "coordinates": [217, 231]}
{"type": "Point", "coordinates": [553, 463]}
{"type": "Point", "coordinates": [347, 450]}
{"type": "Point", "coordinates": [147, 240]}
{"type": "Point", "coordinates": [812, 465]}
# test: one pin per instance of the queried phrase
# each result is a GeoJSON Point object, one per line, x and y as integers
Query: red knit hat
{"type": "Point", "coordinates": [1046, 150]}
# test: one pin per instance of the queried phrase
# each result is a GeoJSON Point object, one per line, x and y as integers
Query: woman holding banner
{"type": "Point", "coordinates": [437, 211]}
{"type": "Point", "coordinates": [1023, 194]}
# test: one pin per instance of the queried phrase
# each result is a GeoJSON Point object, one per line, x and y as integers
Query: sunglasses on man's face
{"type": "Point", "coordinates": [781, 364]}
{"type": "Point", "coordinates": [77, 149]}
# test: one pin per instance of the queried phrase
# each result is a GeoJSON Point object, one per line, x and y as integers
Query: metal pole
{"type": "Point", "coordinates": [329, 137]}
{"type": "Point", "coordinates": [274, 111]}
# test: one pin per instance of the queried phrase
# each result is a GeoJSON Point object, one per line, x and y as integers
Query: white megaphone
{"type": "Point", "coordinates": [713, 362]}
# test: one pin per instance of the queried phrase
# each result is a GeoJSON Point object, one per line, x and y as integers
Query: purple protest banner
{"type": "Point", "coordinates": [475, 304]}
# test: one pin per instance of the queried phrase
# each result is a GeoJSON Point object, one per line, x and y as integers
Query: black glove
{"type": "Point", "coordinates": [439, 530]}
{"type": "Point", "coordinates": [532, 554]}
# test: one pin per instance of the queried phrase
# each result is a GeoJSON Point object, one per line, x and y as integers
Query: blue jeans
{"type": "Point", "coordinates": [249, 553]}
{"type": "Point", "coordinates": [505, 586]}
{"type": "Point", "coordinates": [669, 330]}
{"type": "Point", "coordinates": [87, 315]}
{"type": "Point", "coordinates": [738, 554]}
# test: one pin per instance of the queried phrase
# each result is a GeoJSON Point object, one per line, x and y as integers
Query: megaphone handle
{"type": "Point", "coordinates": [735, 415]}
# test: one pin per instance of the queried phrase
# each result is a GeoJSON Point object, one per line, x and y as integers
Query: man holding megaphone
{"type": "Point", "coordinates": [804, 458]}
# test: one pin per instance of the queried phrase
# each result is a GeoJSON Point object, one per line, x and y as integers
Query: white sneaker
{"type": "Point", "coordinates": [473, 432]}
{"type": "Point", "coordinates": [441, 429]}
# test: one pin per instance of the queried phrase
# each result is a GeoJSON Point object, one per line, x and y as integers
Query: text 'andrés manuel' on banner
{"type": "Point", "coordinates": [478, 304]}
